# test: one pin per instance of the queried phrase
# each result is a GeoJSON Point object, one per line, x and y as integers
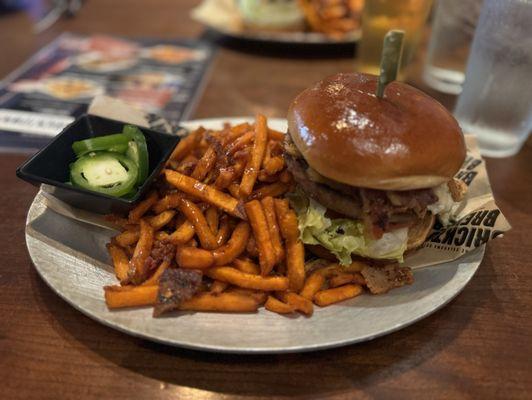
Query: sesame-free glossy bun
{"type": "Point", "coordinates": [407, 140]}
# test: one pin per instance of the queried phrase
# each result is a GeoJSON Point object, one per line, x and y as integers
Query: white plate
{"type": "Point", "coordinates": [71, 258]}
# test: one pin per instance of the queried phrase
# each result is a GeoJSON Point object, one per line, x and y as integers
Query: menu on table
{"type": "Point", "coordinates": [162, 77]}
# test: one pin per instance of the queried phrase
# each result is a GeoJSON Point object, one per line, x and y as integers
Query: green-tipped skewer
{"type": "Point", "coordinates": [392, 50]}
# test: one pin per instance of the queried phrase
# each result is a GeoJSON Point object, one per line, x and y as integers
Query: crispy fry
{"type": "Point", "coordinates": [330, 296]}
{"type": "Point", "coordinates": [340, 279]}
{"type": "Point", "coordinates": [234, 247]}
{"type": "Point", "coordinates": [120, 261]}
{"type": "Point", "coordinates": [267, 154]}
{"type": "Point", "coordinates": [206, 193]}
{"type": "Point", "coordinates": [234, 189]}
{"type": "Point", "coordinates": [185, 145]}
{"type": "Point", "coordinates": [167, 202]}
{"type": "Point", "coordinates": [312, 285]}
{"type": "Point", "coordinates": [248, 281]}
{"type": "Point", "coordinates": [274, 165]}
{"type": "Point", "coordinates": [257, 219]}
{"type": "Point", "coordinates": [201, 227]}
{"type": "Point", "coordinates": [205, 164]}
{"type": "Point", "coordinates": [154, 279]}
{"type": "Point", "coordinates": [127, 238]}
{"type": "Point", "coordinates": [218, 287]}
{"type": "Point", "coordinates": [266, 178]}
{"type": "Point", "coordinates": [276, 148]}
{"type": "Point", "coordinates": [287, 220]}
{"type": "Point", "coordinates": [224, 230]}
{"type": "Point", "coordinates": [242, 157]}
{"type": "Point", "coordinates": [222, 302]}
{"type": "Point", "coordinates": [272, 190]}
{"type": "Point", "coordinates": [253, 166]}
{"type": "Point", "coordinates": [247, 266]}
{"type": "Point", "coordinates": [186, 166]}
{"type": "Point", "coordinates": [251, 247]}
{"type": "Point", "coordinates": [295, 251]}
{"type": "Point", "coordinates": [277, 306]}
{"type": "Point", "coordinates": [297, 301]}
{"type": "Point", "coordinates": [140, 209]}
{"type": "Point", "coordinates": [355, 266]}
{"type": "Point", "coordinates": [275, 135]}
{"type": "Point", "coordinates": [131, 236]}
{"type": "Point", "coordinates": [259, 296]}
{"type": "Point", "coordinates": [130, 296]}
{"type": "Point", "coordinates": [295, 265]}
{"type": "Point", "coordinates": [193, 257]}
{"type": "Point", "coordinates": [212, 217]}
{"type": "Point", "coordinates": [225, 177]}
{"type": "Point", "coordinates": [273, 227]}
{"type": "Point", "coordinates": [181, 235]}
{"type": "Point", "coordinates": [239, 143]}
{"type": "Point", "coordinates": [239, 167]}
{"type": "Point", "coordinates": [137, 265]}
{"type": "Point", "coordinates": [334, 268]}
{"type": "Point", "coordinates": [236, 131]}
{"type": "Point", "coordinates": [160, 220]}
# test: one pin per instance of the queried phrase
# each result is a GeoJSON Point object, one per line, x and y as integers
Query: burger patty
{"type": "Point", "coordinates": [350, 206]}
{"type": "Point", "coordinates": [380, 210]}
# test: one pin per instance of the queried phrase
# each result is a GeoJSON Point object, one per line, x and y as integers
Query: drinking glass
{"type": "Point", "coordinates": [380, 16]}
{"type": "Point", "coordinates": [496, 101]}
{"type": "Point", "coordinates": [450, 41]}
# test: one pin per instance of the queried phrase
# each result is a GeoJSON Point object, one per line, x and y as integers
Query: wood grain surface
{"type": "Point", "coordinates": [478, 347]}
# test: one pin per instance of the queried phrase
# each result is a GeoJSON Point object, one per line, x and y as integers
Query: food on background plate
{"type": "Point", "coordinates": [115, 165]}
{"type": "Point", "coordinates": [372, 173]}
{"type": "Point", "coordinates": [284, 15]}
{"type": "Point", "coordinates": [337, 19]}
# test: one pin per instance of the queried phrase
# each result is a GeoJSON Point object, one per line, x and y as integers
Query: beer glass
{"type": "Point", "coordinates": [380, 16]}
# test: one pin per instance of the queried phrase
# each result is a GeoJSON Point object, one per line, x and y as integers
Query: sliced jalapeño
{"type": "Point", "coordinates": [105, 172]}
{"type": "Point", "coordinates": [115, 143]}
{"type": "Point", "coordinates": [138, 151]}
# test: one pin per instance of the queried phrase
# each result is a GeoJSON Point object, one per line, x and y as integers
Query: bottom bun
{"type": "Point", "coordinates": [419, 232]}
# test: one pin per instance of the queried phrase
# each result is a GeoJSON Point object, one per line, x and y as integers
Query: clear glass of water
{"type": "Point", "coordinates": [496, 101]}
{"type": "Point", "coordinates": [452, 33]}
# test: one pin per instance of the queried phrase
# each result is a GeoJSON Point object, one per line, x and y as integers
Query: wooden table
{"type": "Point", "coordinates": [479, 346]}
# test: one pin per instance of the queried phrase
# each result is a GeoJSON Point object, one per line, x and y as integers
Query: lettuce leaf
{"type": "Point", "coordinates": [343, 236]}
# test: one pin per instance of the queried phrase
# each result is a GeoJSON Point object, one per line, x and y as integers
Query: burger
{"type": "Point", "coordinates": [372, 174]}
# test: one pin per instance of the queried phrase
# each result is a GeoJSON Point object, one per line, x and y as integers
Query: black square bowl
{"type": "Point", "coordinates": [51, 164]}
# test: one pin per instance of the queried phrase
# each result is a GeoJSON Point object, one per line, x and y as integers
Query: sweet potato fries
{"type": "Point", "coordinates": [218, 212]}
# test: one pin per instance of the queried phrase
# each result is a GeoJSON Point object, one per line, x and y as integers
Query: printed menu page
{"type": "Point", "coordinates": [56, 85]}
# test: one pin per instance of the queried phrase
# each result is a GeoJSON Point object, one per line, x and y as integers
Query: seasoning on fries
{"type": "Point", "coordinates": [216, 234]}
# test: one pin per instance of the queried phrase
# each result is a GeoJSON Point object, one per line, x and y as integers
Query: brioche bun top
{"type": "Point", "coordinates": [406, 140]}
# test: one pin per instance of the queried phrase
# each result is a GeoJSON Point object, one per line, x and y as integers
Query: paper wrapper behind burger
{"type": "Point", "coordinates": [478, 218]}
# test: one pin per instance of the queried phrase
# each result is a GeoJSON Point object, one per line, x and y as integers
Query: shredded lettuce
{"type": "Point", "coordinates": [343, 236]}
